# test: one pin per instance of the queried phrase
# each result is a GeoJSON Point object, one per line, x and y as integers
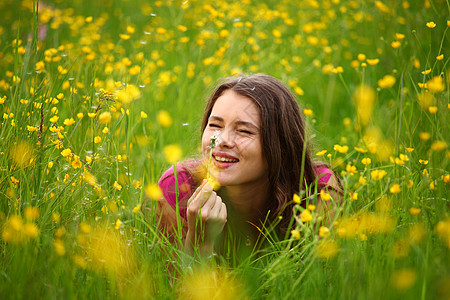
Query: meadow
{"type": "Point", "coordinates": [98, 98]}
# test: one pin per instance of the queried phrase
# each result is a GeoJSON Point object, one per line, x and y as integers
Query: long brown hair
{"type": "Point", "coordinates": [284, 143]}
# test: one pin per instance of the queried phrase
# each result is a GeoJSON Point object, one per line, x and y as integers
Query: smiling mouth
{"type": "Point", "coordinates": [225, 159]}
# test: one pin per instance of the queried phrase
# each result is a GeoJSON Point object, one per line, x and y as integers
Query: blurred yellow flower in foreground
{"type": "Point", "coordinates": [443, 230]}
{"type": "Point", "coordinates": [364, 99]}
{"type": "Point", "coordinates": [327, 249]}
{"type": "Point", "coordinates": [164, 118]}
{"type": "Point", "coordinates": [108, 251]}
{"type": "Point", "coordinates": [210, 283]}
{"type": "Point", "coordinates": [153, 191]}
{"type": "Point", "coordinates": [172, 153]}
{"type": "Point", "coordinates": [403, 279]}
{"type": "Point", "coordinates": [104, 117]}
{"type": "Point", "coordinates": [367, 223]}
{"type": "Point", "coordinates": [128, 94]}
{"type": "Point", "coordinates": [22, 154]}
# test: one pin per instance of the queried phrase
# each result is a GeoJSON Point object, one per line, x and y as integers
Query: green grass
{"type": "Point", "coordinates": [68, 229]}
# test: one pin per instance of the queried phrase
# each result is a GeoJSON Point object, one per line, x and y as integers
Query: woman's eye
{"type": "Point", "coordinates": [214, 125]}
{"type": "Point", "coordinates": [245, 131]}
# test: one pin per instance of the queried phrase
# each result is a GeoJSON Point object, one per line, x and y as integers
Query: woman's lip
{"type": "Point", "coordinates": [224, 155]}
{"type": "Point", "coordinates": [223, 164]}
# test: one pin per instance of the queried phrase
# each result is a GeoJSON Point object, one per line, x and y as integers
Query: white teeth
{"type": "Point", "coordinates": [225, 159]}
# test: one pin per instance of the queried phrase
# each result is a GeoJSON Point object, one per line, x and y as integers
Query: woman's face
{"type": "Point", "coordinates": [238, 158]}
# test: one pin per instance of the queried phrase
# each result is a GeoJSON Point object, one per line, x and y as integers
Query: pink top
{"type": "Point", "coordinates": [186, 185]}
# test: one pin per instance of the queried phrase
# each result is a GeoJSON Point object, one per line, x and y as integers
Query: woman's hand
{"type": "Point", "coordinates": [206, 217]}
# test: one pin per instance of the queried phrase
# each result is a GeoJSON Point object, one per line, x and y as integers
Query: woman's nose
{"type": "Point", "coordinates": [227, 138]}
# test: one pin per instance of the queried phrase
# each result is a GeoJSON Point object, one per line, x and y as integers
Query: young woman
{"type": "Point", "coordinates": [260, 160]}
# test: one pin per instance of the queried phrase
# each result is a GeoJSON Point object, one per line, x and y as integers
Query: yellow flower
{"type": "Point", "coordinates": [321, 153]}
{"type": "Point", "coordinates": [117, 186]}
{"type": "Point", "coordinates": [443, 230]}
{"type": "Point", "coordinates": [124, 36]}
{"type": "Point", "coordinates": [395, 44]}
{"type": "Point", "coordinates": [296, 198]}
{"type": "Point", "coordinates": [440, 57]}
{"type": "Point", "coordinates": [399, 36]}
{"type": "Point", "coordinates": [436, 84]}
{"type": "Point", "coordinates": [306, 216]}
{"type": "Point", "coordinates": [414, 211]}
{"type": "Point", "coordinates": [324, 195]}
{"type": "Point", "coordinates": [438, 146]}
{"type": "Point", "coordinates": [31, 213]}
{"type": "Point", "coordinates": [172, 153]}
{"type": "Point", "coordinates": [324, 231]}
{"type": "Point", "coordinates": [364, 99]}
{"type": "Point", "coordinates": [118, 224]}
{"type": "Point", "coordinates": [54, 119]}
{"type": "Point", "coordinates": [104, 117]}
{"type": "Point", "coordinates": [373, 62]}
{"type": "Point", "coordinates": [31, 230]}
{"type": "Point", "coordinates": [66, 152]}
{"type": "Point", "coordinates": [341, 149]}
{"type": "Point", "coordinates": [311, 207]}
{"type": "Point", "coordinates": [432, 109]}
{"type": "Point", "coordinates": [2, 99]}
{"type": "Point", "coordinates": [164, 118]}
{"type": "Point", "coordinates": [395, 188]}
{"type": "Point", "coordinates": [409, 184]}
{"type": "Point", "coordinates": [378, 174]}
{"type": "Point", "coordinates": [137, 208]}
{"type": "Point", "coordinates": [308, 112]}
{"type": "Point", "coordinates": [153, 191]}
{"type": "Point", "coordinates": [80, 261]}
{"type": "Point", "coordinates": [69, 122]}
{"type": "Point", "coordinates": [97, 139]}
{"type": "Point", "coordinates": [386, 82]}
{"type": "Point", "coordinates": [424, 136]}
{"type": "Point", "coordinates": [80, 115]}
{"type": "Point", "coordinates": [362, 180]}
{"type": "Point", "coordinates": [295, 234]}
{"type": "Point", "coordinates": [327, 249]}
{"type": "Point", "coordinates": [403, 279]}
{"type": "Point", "coordinates": [92, 115]}
{"type": "Point", "coordinates": [143, 115]}
{"type": "Point", "coordinates": [76, 163]}
{"type": "Point", "coordinates": [22, 154]}
{"type": "Point", "coordinates": [354, 196]}
{"type": "Point", "coordinates": [59, 247]}
{"type": "Point", "coordinates": [431, 24]}
{"type": "Point", "coordinates": [366, 161]}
